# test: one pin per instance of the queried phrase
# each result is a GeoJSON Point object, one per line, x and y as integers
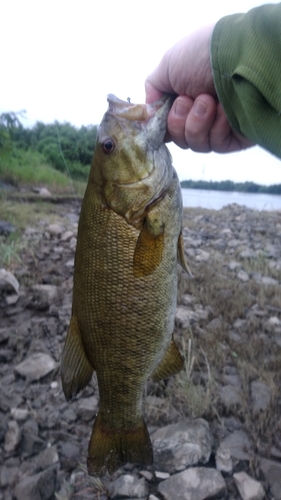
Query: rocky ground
{"type": "Point", "coordinates": [216, 427]}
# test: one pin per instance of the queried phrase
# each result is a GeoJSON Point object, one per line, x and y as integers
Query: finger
{"type": "Point", "coordinates": [176, 120]}
{"type": "Point", "coordinates": [199, 123]}
{"type": "Point", "coordinates": [222, 137]}
{"type": "Point", "coordinates": [151, 93]}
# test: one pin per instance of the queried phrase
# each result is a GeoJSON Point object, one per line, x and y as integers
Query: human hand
{"type": "Point", "coordinates": [196, 119]}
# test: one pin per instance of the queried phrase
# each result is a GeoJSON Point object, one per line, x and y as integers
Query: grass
{"type": "Point", "coordinates": [30, 168]}
{"type": "Point", "coordinates": [192, 390]}
{"type": "Point", "coordinates": [10, 249]}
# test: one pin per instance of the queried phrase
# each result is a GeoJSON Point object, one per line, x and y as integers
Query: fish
{"type": "Point", "coordinates": [129, 243]}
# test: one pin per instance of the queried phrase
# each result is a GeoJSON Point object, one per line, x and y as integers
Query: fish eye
{"type": "Point", "coordinates": [108, 146]}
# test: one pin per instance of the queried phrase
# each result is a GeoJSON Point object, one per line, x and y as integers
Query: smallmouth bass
{"type": "Point", "coordinates": [125, 279]}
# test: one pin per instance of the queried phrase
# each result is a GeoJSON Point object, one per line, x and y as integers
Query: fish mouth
{"type": "Point", "coordinates": [139, 112]}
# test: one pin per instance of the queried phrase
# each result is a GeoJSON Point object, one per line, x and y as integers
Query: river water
{"type": "Point", "coordinates": [217, 199]}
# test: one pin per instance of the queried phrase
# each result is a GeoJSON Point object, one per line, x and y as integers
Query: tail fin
{"type": "Point", "coordinates": [109, 449]}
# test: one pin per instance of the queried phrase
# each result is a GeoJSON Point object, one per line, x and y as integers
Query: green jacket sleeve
{"type": "Point", "coordinates": [246, 62]}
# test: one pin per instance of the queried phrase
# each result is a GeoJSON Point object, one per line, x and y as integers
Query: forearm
{"type": "Point", "coordinates": [246, 55]}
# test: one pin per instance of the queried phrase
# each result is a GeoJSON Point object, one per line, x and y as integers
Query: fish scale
{"type": "Point", "coordinates": [125, 280]}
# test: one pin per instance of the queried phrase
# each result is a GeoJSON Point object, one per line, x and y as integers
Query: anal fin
{"type": "Point", "coordinates": [76, 370]}
{"type": "Point", "coordinates": [111, 448]}
{"type": "Point", "coordinates": [171, 363]}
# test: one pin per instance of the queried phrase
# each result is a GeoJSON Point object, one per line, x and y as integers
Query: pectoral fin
{"type": "Point", "coordinates": [76, 370]}
{"type": "Point", "coordinates": [181, 255]}
{"type": "Point", "coordinates": [149, 250]}
{"type": "Point", "coordinates": [171, 363]}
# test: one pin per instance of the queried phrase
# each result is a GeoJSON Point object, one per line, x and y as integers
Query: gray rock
{"type": "Point", "coordinates": [19, 414]}
{"type": "Point", "coordinates": [236, 337]}
{"type": "Point", "coordinates": [146, 474]}
{"type": "Point", "coordinates": [249, 488]}
{"type": "Point", "coordinates": [238, 444]}
{"type": "Point", "coordinates": [55, 229]}
{"type": "Point", "coordinates": [128, 486]}
{"type": "Point", "coordinates": [70, 263]}
{"type": "Point", "coordinates": [232, 380]}
{"type": "Point", "coordinates": [73, 243]}
{"type": "Point", "coordinates": [11, 300]}
{"type": "Point", "coordinates": [6, 228]}
{"type": "Point", "coordinates": [274, 321]}
{"type": "Point", "coordinates": [8, 476]}
{"type": "Point", "coordinates": [233, 265]}
{"type": "Point", "coordinates": [47, 458]}
{"type": "Point", "coordinates": [69, 415]}
{"type": "Point", "coordinates": [153, 497]}
{"type": "Point", "coordinates": [247, 254]}
{"type": "Point", "coordinates": [272, 474]}
{"type": "Point", "coordinates": [271, 251]}
{"type": "Point", "coordinates": [12, 437]}
{"type": "Point", "coordinates": [48, 417]}
{"type": "Point", "coordinates": [230, 395]}
{"type": "Point", "coordinates": [256, 276]}
{"type": "Point", "coordinates": [202, 313]}
{"type": "Point", "coordinates": [8, 282]}
{"type": "Point", "coordinates": [268, 281]}
{"type": "Point", "coordinates": [202, 256]}
{"type": "Point", "coordinates": [44, 295]}
{"type": "Point", "coordinates": [188, 300]}
{"type": "Point", "coordinates": [240, 324]}
{"type": "Point", "coordinates": [36, 366]}
{"type": "Point", "coordinates": [67, 235]}
{"type": "Point", "coordinates": [260, 395]}
{"type": "Point", "coordinates": [70, 455]}
{"type": "Point", "coordinates": [4, 335]}
{"type": "Point", "coordinates": [31, 443]}
{"type": "Point", "coordinates": [243, 276]}
{"type": "Point", "coordinates": [215, 323]}
{"type": "Point", "coordinates": [223, 460]}
{"type": "Point", "coordinates": [226, 231]}
{"type": "Point", "coordinates": [37, 487]}
{"type": "Point", "coordinates": [87, 408]}
{"type": "Point", "coordinates": [192, 242]}
{"type": "Point", "coordinates": [44, 192]}
{"type": "Point", "coordinates": [233, 243]}
{"type": "Point", "coordinates": [161, 475]}
{"type": "Point", "coordinates": [177, 446]}
{"type": "Point", "coordinates": [185, 317]}
{"type": "Point", "coordinates": [197, 483]}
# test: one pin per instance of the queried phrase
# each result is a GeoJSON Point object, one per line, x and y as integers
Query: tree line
{"type": "Point", "coordinates": [60, 144]}
{"type": "Point", "coordinates": [243, 187]}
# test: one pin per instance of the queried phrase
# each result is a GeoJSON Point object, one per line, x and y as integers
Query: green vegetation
{"type": "Point", "coordinates": [45, 152]}
{"type": "Point", "coordinates": [243, 187]}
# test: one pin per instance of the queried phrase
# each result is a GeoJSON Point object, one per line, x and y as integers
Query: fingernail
{"type": "Point", "coordinates": [181, 108]}
{"type": "Point", "coordinates": [200, 108]}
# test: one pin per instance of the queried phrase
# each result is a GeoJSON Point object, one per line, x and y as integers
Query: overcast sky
{"type": "Point", "coordinates": [60, 59]}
